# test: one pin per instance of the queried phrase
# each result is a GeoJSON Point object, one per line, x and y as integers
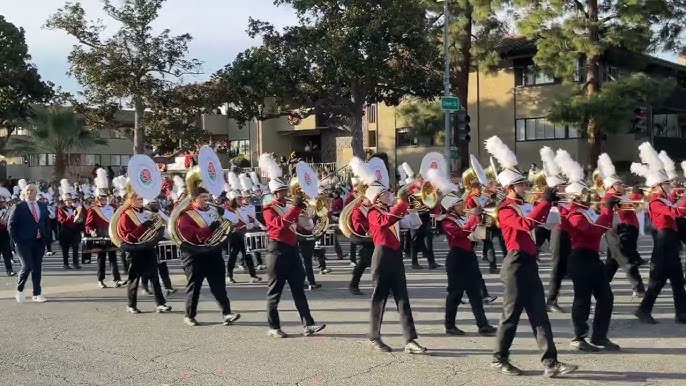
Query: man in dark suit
{"type": "Point", "coordinates": [28, 227]}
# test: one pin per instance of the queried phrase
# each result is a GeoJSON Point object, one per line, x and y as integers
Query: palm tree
{"type": "Point", "coordinates": [56, 130]}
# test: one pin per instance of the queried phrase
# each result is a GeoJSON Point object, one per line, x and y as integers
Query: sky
{"type": "Point", "coordinates": [217, 26]}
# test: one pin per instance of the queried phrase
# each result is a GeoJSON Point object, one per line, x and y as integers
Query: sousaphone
{"type": "Point", "coordinates": [306, 183]}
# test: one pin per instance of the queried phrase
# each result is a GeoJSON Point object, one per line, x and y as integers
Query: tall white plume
{"type": "Point", "coordinates": [548, 159]}
{"type": "Point", "coordinates": [64, 186]}
{"type": "Point", "coordinates": [22, 184]}
{"type": "Point", "coordinates": [120, 182]}
{"type": "Point", "coordinates": [501, 152]}
{"type": "Point", "coordinates": [605, 165]}
{"type": "Point", "coordinates": [649, 156]}
{"type": "Point", "coordinates": [441, 182]}
{"type": "Point", "coordinates": [640, 169]}
{"type": "Point", "coordinates": [179, 184]}
{"type": "Point", "coordinates": [101, 181]}
{"type": "Point", "coordinates": [246, 183]}
{"type": "Point", "coordinates": [667, 162]}
{"type": "Point", "coordinates": [362, 170]}
{"type": "Point", "coordinates": [570, 168]}
{"type": "Point", "coordinates": [255, 179]}
{"type": "Point", "coordinates": [408, 170]}
{"type": "Point", "coordinates": [233, 180]}
{"type": "Point", "coordinates": [268, 165]}
{"type": "Point", "coordinates": [402, 173]}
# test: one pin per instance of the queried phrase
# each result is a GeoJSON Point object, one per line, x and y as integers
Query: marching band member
{"type": "Point", "coordinates": [284, 259]}
{"type": "Point", "coordinates": [585, 267]}
{"type": "Point", "coordinates": [523, 289]}
{"type": "Point", "coordinates": [5, 247]}
{"type": "Point", "coordinates": [348, 199]}
{"type": "Point", "coordinates": [163, 271]}
{"type": "Point", "coordinates": [197, 224]}
{"type": "Point", "coordinates": [560, 240]}
{"type": "Point", "coordinates": [97, 225]}
{"type": "Point", "coordinates": [622, 239]}
{"type": "Point", "coordinates": [237, 237]}
{"type": "Point", "coordinates": [388, 271]}
{"type": "Point", "coordinates": [70, 217]}
{"type": "Point", "coordinates": [47, 199]}
{"type": "Point", "coordinates": [132, 225]}
{"type": "Point", "coordinates": [251, 193]}
{"type": "Point", "coordinates": [461, 264]}
{"type": "Point", "coordinates": [360, 224]}
{"type": "Point", "coordinates": [421, 224]}
{"type": "Point", "coordinates": [664, 261]}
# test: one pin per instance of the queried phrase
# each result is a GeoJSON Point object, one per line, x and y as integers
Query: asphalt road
{"type": "Point", "coordinates": [83, 336]}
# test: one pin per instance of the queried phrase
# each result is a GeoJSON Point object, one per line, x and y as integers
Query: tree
{"type": "Point", "coordinates": [20, 83]}
{"type": "Point", "coordinates": [424, 117]}
{"type": "Point", "coordinates": [475, 32]}
{"type": "Point", "coordinates": [59, 131]}
{"type": "Point", "coordinates": [343, 56]}
{"type": "Point", "coordinates": [567, 32]}
{"type": "Point", "coordinates": [174, 114]}
{"type": "Point", "coordinates": [133, 64]}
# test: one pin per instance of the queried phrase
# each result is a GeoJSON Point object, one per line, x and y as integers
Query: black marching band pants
{"type": "Point", "coordinates": [143, 264]}
{"type": "Point", "coordinates": [560, 247]}
{"type": "Point", "coordinates": [163, 272]}
{"type": "Point", "coordinates": [201, 266]}
{"type": "Point", "coordinates": [70, 240]}
{"type": "Point", "coordinates": [388, 276]}
{"type": "Point", "coordinates": [489, 248]}
{"type": "Point", "coordinates": [422, 240]}
{"type": "Point", "coordinates": [462, 267]}
{"type": "Point", "coordinates": [622, 251]}
{"type": "Point", "coordinates": [665, 263]}
{"type": "Point", "coordinates": [589, 278]}
{"type": "Point", "coordinates": [236, 246]}
{"type": "Point", "coordinates": [6, 250]}
{"type": "Point", "coordinates": [523, 291]}
{"type": "Point", "coordinates": [102, 263]}
{"type": "Point", "coordinates": [366, 248]}
{"type": "Point", "coordinates": [306, 247]}
{"type": "Point", "coordinates": [541, 234]}
{"type": "Point", "coordinates": [284, 265]}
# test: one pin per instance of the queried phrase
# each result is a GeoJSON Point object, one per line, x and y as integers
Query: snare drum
{"type": "Point", "coordinates": [256, 241]}
{"type": "Point", "coordinates": [96, 245]}
{"type": "Point", "coordinates": [167, 250]}
{"type": "Point", "coordinates": [329, 238]}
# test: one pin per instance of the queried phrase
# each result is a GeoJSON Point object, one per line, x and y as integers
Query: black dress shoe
{"type": "Point", "coordinates": [66, 266]}
{"type": "Point", "coordinates": [413, 347]}
{"type": "Point", "coordinates": [77, 266]}
{"type": "Point", "coordinates": [230, 318]}
{"type": "Point", "coordinates": [606, 344]}
{"type": "Point", "coordinates": [507, 368]}
{"type": "Point", "coordinates": [487, 330]}
{"type": "Point", "coordinates": [645, 317]}
{"type": "Point", "coordinates": [379, 345]}
{"type": "Point", "coordinates": [356, 291]}
{"type": "Point", "coordinates": [559, 368]}
{"type": "Point", "coordinates": [679, 319]}
{"type": "Point", "coordinates": [417, 266]}
{"type": "Point", "coordinates": [191, 322]}
{"type": "Point", "coordinates": [434, 266]}
{"type": "Point", "coordinates": [493, 270]}
{"type": "Point", "coordinates": [454, 331]}
{"type": "Point", "coordinates": [581, 345]}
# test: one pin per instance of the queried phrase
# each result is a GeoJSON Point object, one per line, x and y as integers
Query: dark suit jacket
{"type": "Point", "coordinates": [23, 227]}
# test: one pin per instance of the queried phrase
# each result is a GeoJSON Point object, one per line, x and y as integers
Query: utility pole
{"type": "Point", "coordinates": [446, 83]}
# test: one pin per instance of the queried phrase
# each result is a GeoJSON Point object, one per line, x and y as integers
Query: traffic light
{"type": "Point", "coordinates": [462, 127]}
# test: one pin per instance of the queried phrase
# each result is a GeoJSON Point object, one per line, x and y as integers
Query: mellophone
{"type": "Point", "coordinates": [97, 244]}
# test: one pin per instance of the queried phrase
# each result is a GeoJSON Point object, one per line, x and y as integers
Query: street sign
{"type": "Point", "coordinates": [450, 103]}
{"type": "Point", "coordinates": [454, 154]}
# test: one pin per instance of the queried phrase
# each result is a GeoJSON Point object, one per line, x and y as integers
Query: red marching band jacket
{"type": "Point", "coordinates": [383, 225]}
{"type": "Point", "coordinates": [663, 213]}
{"type": "Point", "coordinates": [130, 227]}
{"type": "Point", "coordinates": [627, 217]}
{"type": "Point", "coordinates": [457, 231]}
{"type": "Point", "coordinates": [517, 226]}
{"type": "Point", "coordinates": [585, 231]}
{"type": "Point", "coordinates": [280, 222]}
{"type": "Point", "coordinates": [97, 221]}
{"type": "Point", "coordinates": [193, 227]}
{"type": "Point", "coordinates": [358, 217]}
{"type": "Point", "coordinates": [66, 219]}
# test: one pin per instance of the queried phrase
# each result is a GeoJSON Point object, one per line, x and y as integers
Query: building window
{"type": "Point", "coordinates": [91, 159]}
{"type": "Point", "coordinates": [16, 131]}
{"type": "Point", "coordinates": [116, 134]}
{"type": "Point", "coordinates": [119, 159]}
{"type": "Point", "coordinates": [667, 125]}
{"type": "Point", "coordinates": [403, 137]}
{"type": "Point", "coordinates": [536, 129]}
{"type": "Point", "coordinates": [529, 75]}
{"type": "Point", "coordinates": [371, 138]}
{"type": "Point", "coordinates": [371, 114]}
{"type": "Point", "coordinates": [241, 147]}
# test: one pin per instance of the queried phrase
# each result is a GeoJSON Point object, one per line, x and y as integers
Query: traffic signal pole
{"type": "Point", "coordinates": [446, 82]}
